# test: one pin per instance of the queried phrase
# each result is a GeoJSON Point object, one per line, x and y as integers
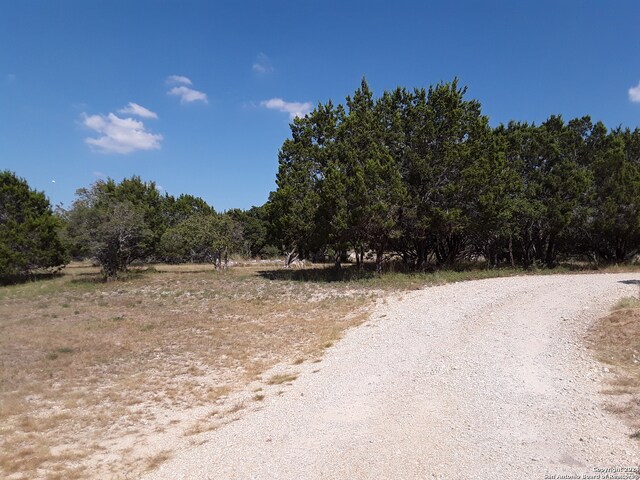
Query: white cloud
{"type": "Point", "coordinates": [181, 79]}
{"type": "Point", "coordinates": [138, 110]}
{"type": "Point", "coordinates": [258, 67]}
{"type": "Point", "coordinates": [634, 93]}
{"type": "Point", "coordinates": [294, 109]}
{"type": "Point", "coordinates": [188, 95]}
{"type": "Point", "coordinates": [262, 64]}
{"type": "Point", "coordinates": [119, 135]}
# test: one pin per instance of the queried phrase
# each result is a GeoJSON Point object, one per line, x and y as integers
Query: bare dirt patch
{"type": "Point", "coordinates": [95, 375]}
{"type": "Point", "coordinates": [615, 339]}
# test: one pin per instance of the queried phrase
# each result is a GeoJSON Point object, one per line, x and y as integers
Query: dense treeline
{"type": "Point", "coordinates": [421, 175]}
{"type": "Point", "coordinates": [417, 175]}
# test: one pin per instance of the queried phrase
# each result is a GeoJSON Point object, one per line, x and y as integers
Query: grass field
{"type": "Point", "coordinates": [91, 370]}
{"type": "Point", "coordinates": [106, 380]}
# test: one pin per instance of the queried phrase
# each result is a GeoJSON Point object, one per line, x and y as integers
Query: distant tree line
{"type": "Point", "coordinates": [419, 176]}
{"type": "Point", "coordinates": [118, 223]}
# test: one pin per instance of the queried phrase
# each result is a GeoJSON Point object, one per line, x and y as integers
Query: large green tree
{"type": "Point", "coordinates": [111, 225]}
{"type": "Point", "coordinates": [615, 215]}
{"type": "Point", "coordinates": [293, 209]}
{"type": "Point", "coordinates": [202, 238]}
{"type": "Point", "coordinates": [29, 232]}
{"type": "Point", "coordinates": [146, 198]}
{"type": "Point", "coordinates": [177, 210]}
{"type": "Point", "coordinates": [374, 187]}
{"type": "Point", "coordinates": [255, 230]}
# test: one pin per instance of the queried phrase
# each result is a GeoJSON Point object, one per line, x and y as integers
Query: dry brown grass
{"type": "Point", "coordinates": [282, 378]}
{"type": "Point", "coordinates": [154, 461]}
{"type": "Point", "coordinates": [91, 372]}
{"type": "Point", "coordinates": [615, 340]}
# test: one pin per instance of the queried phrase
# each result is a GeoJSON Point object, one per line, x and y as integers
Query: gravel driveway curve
{"type": "Point", "coordinates": [485, 379]}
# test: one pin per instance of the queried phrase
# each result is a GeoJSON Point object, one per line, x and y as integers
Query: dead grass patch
{"type": "Point", "coordinates": [154, 461]}
{"type": "Point", "coordinates": [614, 340]}
{"type": "Point", "coordinates": [200, 427]}
{"type": "Point", "coordinates": [279, 379]}
{"type": "Point", "coordinates": [237, 407]}
{"type": "Point", "coordinates": [95, 367]}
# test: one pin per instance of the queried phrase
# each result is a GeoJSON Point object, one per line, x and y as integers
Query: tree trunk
{"type": "Point", "coordinates": [337, 260]}
{"type": "Point", "coordinates": [550, 257]}
{"type": "Point", "coordinates": [513, 264]}
{"type": "Point", "coordinates": [379, 258]}
{"type": "Point", "coordinates": [422, 257]}
{"type": "Point", "coordinates": [360, 258]}
{"type": "Point", "coordinates": [621, 251]}
{"type": "Point", "coordinates": [289, 258]}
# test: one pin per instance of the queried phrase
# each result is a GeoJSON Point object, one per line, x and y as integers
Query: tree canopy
{"type": "Point", "coordinates": [421, 175]}
{"type": "Point", "coordinates": [29, 237]}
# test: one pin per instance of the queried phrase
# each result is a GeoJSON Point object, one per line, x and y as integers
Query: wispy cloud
{"type": "Point", "coordinates": [294, 109]}
{"type": "Point", "coordinates": [180, 79]}
{"type": "Point", "coordinates": [138, 110]}
{"type": "Point", "coordinates": [188, 95]}
{"type": "Point", "coordinates": [634, 93]}
{"type": "Point", "coordinates": [119, 135]}
{"type": "Point", "coordinates": [11, 77]}
{"type": "Point", "coordinates": [262, 64]}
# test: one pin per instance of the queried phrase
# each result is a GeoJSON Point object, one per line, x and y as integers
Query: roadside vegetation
{"type": "Point", "coordinates": [94, 375]}
{"type": "Point", "coordinates": [615, 341]}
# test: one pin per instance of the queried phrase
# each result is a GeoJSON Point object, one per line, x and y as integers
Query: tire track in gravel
{"type": "Point", "coordinates": [483, 379]}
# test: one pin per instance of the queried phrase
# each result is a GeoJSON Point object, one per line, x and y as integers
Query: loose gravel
{"type": "Point", "coordinates": [485, 379]}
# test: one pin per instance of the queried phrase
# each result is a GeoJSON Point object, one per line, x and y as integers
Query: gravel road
{"type": "Point", "coordinates": [486, 379]}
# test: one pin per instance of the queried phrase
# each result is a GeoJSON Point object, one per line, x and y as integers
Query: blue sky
{"type": "Point", "coordinates": [198, 96]}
